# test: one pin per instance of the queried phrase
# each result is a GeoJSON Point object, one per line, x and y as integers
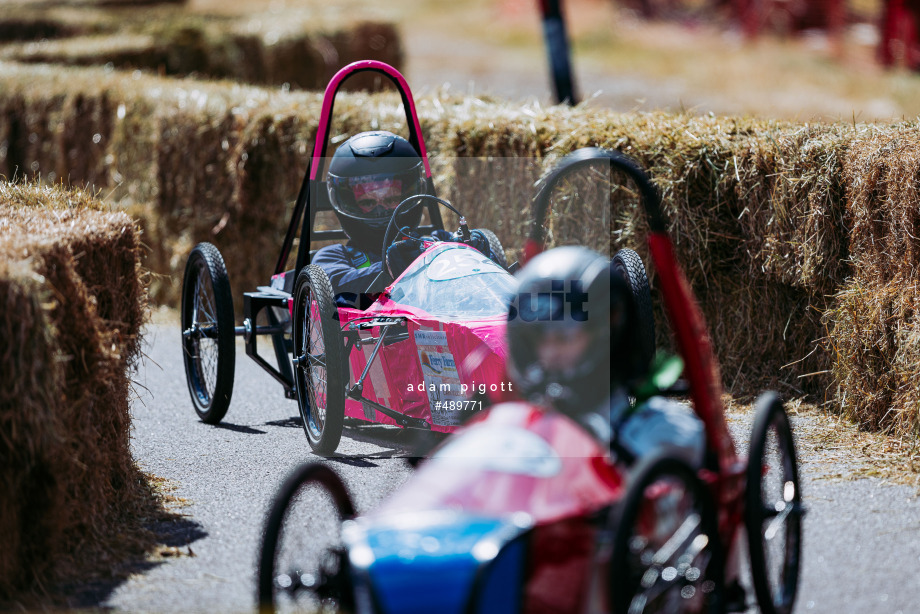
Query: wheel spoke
{"type": "Point", "coordinates": [207, 307]}
{"type": "Point", "coordinates": [659, 583]}
{"type": "Point", "coordinates": [203, 332]}
{"type": "Point", "coordinates": [311, 364]}
{"type": "Point", "coordinates": [682, 537]}
{"type": "Point", "coordinates": [317, 358]}
{"type": "Point", "coordinates": [318, 361]}
{"type": "Point", "coordinates": [777, 523]}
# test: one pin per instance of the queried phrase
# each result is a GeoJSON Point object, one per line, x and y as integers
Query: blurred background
{"type": "Point", "coordinates": [793, 59]}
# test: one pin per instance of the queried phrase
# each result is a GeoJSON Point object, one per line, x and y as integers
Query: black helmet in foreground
{"type": "Point", "coordinates": [566, 327]}
{"type": "Point", "coordinates": [369, 175]}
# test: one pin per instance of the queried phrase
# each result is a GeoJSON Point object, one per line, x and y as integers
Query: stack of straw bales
{"type": "Point", "coordinates": [786, 231]}
{"type": "Point", "coordinates": [72, 306]}
{"type": "Point", "coordinates": [874, 325]}
{"type": "Point", "coordinates": [274, 49]}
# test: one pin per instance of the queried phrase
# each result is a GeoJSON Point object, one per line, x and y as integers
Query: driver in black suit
{"type": "Point", "coordinates": [369, 175]}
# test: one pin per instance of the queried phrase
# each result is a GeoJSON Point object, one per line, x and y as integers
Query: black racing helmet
{"type": "Point", "coordinates": [369, 175]}
{"type": "Point", "coordinates": [565, 295]}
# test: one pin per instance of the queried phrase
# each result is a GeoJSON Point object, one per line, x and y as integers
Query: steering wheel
{"type": "Point", "coordinates": [394, 231]}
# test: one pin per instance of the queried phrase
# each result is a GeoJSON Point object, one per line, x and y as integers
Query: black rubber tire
{"type": "Point", "coordinates": [628, 570]}
{"type": "Point", "coordinates": [304, 475]}
{"type": "Point", "coordinates": [495, 246]}
{"type": "Point", "coordinates": [319, 353]}
{"type": "Point", "coordinates": [208, 345]}
{"type": "Point", "coordinates": [629, 264]}
{"type": "Point", "coordinates": [761, 510]}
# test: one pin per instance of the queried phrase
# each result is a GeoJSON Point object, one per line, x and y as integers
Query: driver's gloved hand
{"type": "Point", "coordinates": [434, 235]}
{"type": "Point", "coordinates": [401, 254]}
{"type": "Point", "coordinates": [479, 242]}
{"type": "Point", "coordinates": [442, 235]}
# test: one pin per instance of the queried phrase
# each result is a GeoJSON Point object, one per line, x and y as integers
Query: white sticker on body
{"type": "Point", "coordinates": [441, 378]}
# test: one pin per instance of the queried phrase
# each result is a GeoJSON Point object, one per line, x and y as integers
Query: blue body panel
{"type": "Point", "coordinates": [503, 583]}
{"type": "Point", "coordinates": [437, 566]}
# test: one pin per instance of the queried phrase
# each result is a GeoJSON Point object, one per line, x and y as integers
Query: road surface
{"type": "Point", "coordinates": [861, 536]}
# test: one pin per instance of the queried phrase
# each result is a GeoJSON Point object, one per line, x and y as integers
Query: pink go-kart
{"type": "Point", "coordinates": [521, 510]}
{"type": "Point", "coordinates": [413, 355]}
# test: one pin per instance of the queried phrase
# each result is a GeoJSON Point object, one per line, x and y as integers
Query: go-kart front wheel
{"type": "Point", "coordinates": [319, 360]}
{"type": "Point", "coordinates": [773, 508]}
{"type": "Point", "coordinates": [629, 265]}
{"type": "Point", "coordinates": [208, 346]}
{"type": "Point", "coordinates": [667, 556]}
{"type": "Point", "coordinates": [495, 246]}
{"type": "Point", "coordinates": [302, 565]}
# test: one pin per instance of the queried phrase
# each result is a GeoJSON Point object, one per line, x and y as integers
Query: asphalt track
{"type": "Point", "coordinates": [862, 537]}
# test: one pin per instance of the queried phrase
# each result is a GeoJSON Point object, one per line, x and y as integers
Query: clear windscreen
{"type": "Point", "coordinates": [458, 282]}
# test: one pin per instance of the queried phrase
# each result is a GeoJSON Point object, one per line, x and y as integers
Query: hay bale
{"type": "Point", "coordinates": [73, 303]}
{"type": "Point", "coordinates": [30, 378]}
{"type": "Point", "coordinates": [33, 23]}
{"type": "Point", "coordinates": [884, 204]}
{"type": "Point", "coordinates": [124, 51]}
{"type": "Point", "coordinates": [365, 40]}
{"type": "Point", "coordinates": [873, 325]}
{"type": "Point", "coordinates": [34, 28]}
{"type": "Point", "coordinates": [876, 343]}
{"type": "Point", "coordinates": [31, 121]}
{"type": "Point", "coordinates": [300, 53]}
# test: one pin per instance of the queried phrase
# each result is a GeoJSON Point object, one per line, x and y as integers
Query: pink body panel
{"type": "Point", "coordinates": [478, 348]}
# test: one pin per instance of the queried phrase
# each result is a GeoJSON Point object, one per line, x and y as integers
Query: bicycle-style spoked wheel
{"type": "Point", "coordinates": [773, 508]}
{"type": "Point", "coordinates": [208, 346]}
{"type": "Point", "coordinates": [666, 556]}
{"type": "Point", "coordinates": [302, 561]}
{"type": "Point", "coordinates": [319, 367]}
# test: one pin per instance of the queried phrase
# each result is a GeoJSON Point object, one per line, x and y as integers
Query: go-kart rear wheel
{"type": "Point", "coordinates": [495, 246]}
{"type": "Point", "coordinates": [773, 508]}
{"type": "Point", "coordinates": [629, 264]}
{"type": "Point", "coordinates": [319, 360]}
{"type": "Point", "coordinates": [666, 555]}
{"type": "Point", "coordinates": [208, 346]}
{"type": "Point", "coordinates": [302, 565]}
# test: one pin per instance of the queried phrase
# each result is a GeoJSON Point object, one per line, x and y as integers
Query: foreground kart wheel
{"type": "Point", "coordinates": [319, 360]}
{"type": "Point", "coordinates": [302, 565]}
{"type": "Point", "coordinates": [628, 264]}
{"type": "Point", "coordinates": [208, 347]}
{"type": "Point", "coordinates": [498, 252]}
{"type": "Point", "coordinates": [666, 556]}
{"type": "Point", "coordinates": [773, 508]}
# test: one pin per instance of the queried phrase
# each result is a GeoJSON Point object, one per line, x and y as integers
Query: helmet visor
{"type": "Point", "coordinates": [371, 197]}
